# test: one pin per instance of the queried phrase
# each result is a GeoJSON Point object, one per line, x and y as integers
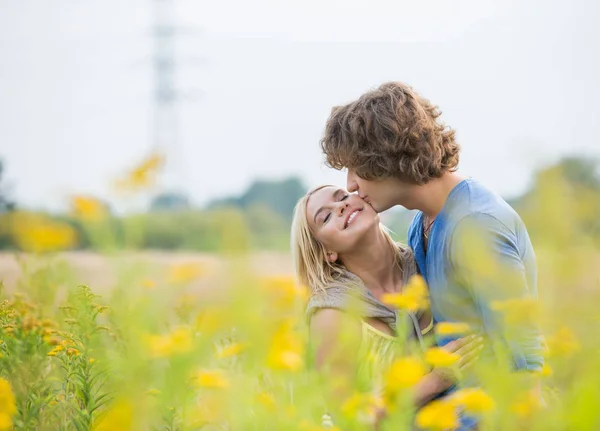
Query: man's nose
{"type": "Point", "coordinates": [351, 184]}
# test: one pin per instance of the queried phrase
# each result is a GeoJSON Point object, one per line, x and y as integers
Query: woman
{"type": "Point", "coordinates": [348, 259]}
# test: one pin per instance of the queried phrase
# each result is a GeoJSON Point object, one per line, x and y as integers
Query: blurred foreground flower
{"type": "Point", "coordinates": [183, 273]}
{"type": "Point", "coordinates": [143, 175]}
{"type": "Point", "coordinates": [7, 405]}
{"type": "Point", "coordinates": [451, 328]}
{"type": "Point", "coordinates": [362, 407]}
{"type": "Point", "coordinates": [439, 357]}
{"type": "Point", "coordinates": [87, 208]}
{"type": "Point", "coordinates": [36, 233]}
{"type": "Point", "coordinates": [211, 379]}
{"type": "Point", "coordinates": [518, 311]}
{"type": "Point", "coordinates": [437, 416]}
{"type": "Point", "coordinates": [563, 343]}
{"type": "Point", "coordinates": [404, 373]}
{"type": "Point", "coordinates": [283, 291]}
{"type": "Point", "coordinates": [286, 350]}
{"type": "Point", "coordinates": [118, 417]}
{"type": "Point", "coordinates": [526, 404]}
{"type": "Point", "coordinates": [176, 342]}
{"type": "Point", "coordinates": [414, 296]}
{"type": "Point", "coordinates": [474, 400]}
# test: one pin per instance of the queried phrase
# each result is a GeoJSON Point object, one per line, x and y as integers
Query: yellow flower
{"type": "Point", "coordinates": [185, 272]}
{"type": "Point", "coordinates": [148, 284]}
{"type": "Point", "coordinates": [452, 328]}
{"type": "Point", "coordinates": [57, 349]}
{"type": "Point", "coordinates": [143, 175]}
{"type": "Point", "coordinates": [526, 404]}
{"type": "Point", "coordinates": [546, 371]}
{"type": "Point", "coordinates": [286, 350]}
{"type": "Point", "coordinates": [87, 208]}
{"type": "Point", "coordinates": [39, 234]}
{"type": "Point", "coordinates": [8, 406]}
{"type": "Point", "coordinates": [438, 415]}
{"type": "Point", "coordinates": [404, 373]}
{"type": "Point", "coordinates": [414, 296]}
{"type": "Point", "coordinates": [211, 379]}
{"type": "Point", "coordinates": [211, 320]}
{"type": "Point", "coordinates": [232, 349]}
{"type": "Point", "coordinates": [73, 352]}
{"type": "Point", "coordinates": [439, 357]}
{"type": "Point", "coordinates": [118, 417]}
{"type": "Point", "coordinates": [267, 400]}
{"type": "Point", "coordinates": [563, 343]}
{"type": "Point", "coordinates": [474, 400]}
{"type": "Point", "coordinates": [177, 342]}
{"type": "Point", "coordinates": [518, 311]}
{"type": "Point", "coordinates": [362, 407]}
{"type": "Point", "coordinates": [283, 291]}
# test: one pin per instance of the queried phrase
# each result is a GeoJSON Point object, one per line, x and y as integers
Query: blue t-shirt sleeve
{"type": "Point", "coordinates": [486, 259]}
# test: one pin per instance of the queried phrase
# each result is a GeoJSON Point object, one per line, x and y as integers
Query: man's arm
{"type": "Point", "coordinates": [485, 258]}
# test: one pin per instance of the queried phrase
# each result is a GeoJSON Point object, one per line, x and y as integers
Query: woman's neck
{"type": "Point", "coordinates": [375, 264]}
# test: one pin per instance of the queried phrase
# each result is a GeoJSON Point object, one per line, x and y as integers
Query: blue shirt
{"type": "Point", "coordinates": [479, 256]}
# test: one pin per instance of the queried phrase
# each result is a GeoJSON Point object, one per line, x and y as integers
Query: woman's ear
{"type": "Point", "coordinates": [332, 256]}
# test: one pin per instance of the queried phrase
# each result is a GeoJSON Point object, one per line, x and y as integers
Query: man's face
{"type": "Point", "coordinates": [381, 194]}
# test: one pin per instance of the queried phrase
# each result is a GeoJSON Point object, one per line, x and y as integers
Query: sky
{"type": "Point", "coordinates": [517, 80]}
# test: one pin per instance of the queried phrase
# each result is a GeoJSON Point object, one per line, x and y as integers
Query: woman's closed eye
{"type": "Point", "coordinates": [328, 216]}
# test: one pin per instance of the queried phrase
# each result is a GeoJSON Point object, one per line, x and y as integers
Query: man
{"type": "Point", "coordinates": [470, 245]}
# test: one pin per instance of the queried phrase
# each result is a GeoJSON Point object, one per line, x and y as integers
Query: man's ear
{"type": "Point", "coordinates": [332, 256]}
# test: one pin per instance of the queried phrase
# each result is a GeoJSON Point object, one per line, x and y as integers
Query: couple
{"type": "Point", "coordinates": [468, 244]}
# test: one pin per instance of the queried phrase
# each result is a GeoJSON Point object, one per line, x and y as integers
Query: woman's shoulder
{"type": "Point", "coordinates": [407, 257]}
{"type": "Point", "coordinates": [334, 296]}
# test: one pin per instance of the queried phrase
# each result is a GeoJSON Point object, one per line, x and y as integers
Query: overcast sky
{"type": "Point", "coordinates": [518, 80]}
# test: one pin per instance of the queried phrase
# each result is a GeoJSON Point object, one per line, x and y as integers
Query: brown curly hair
{"type": "Point", "coordinates": [390, 132]}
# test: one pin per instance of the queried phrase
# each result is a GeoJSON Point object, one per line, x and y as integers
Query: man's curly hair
{"type": "Point", "coordinates": [390, 132]}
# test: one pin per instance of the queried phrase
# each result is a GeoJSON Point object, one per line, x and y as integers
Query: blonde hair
{"type": "Point", "coordinates": [312, 267]}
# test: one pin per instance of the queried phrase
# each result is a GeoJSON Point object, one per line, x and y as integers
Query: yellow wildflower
{"type": "Point", "coordinates": [404, 373]}
{"type": "Point", "coordinates": [148, 284]}
{"type": "Point", "coordinates": [286, 350]}
{"type": "Point", "coordinates": [546, 371]}
{"type": "Point", "coordinates": [211, 320]}
{"type": "Point", "coordinates": [526, 404]}
{"type": "Point", "coordinates": [362, 407]}
{"type": "Point", "coordinates": [414, 296]}
{"type": "Point", "coordinates": [518, 311]}
{"type": "Point", "coordinates": [87, 208]}
{"type": "Point", "coordinates": [563, 343]}
{"type": "Point", "coordinates": [452, 328]}
{"type": "Point", "coordinates": [211, 379]}
{"type": "Point", "coordinates": [8, 406]}
{"type": "Point", "coordinates": [439, 357]}
{"type": "Point", "coordinates": [474, 400]}
{"type": "Point", "coordinates": [185, 272]}
{"type": "Point", "coordinates": [266, 399]}
{"type": "Point", "coordinates": [72, 352]}
{"type": "Point", "coordinates": [118, 417]}
{"type": "Point", "coordinates": [143, 175]}
{"type": "Point", "coordinates": [35, 233]}
{"type": "Point", "coordinates": [438, 415]}
{"type": "Point", "coordinates": [283, 291]}
{"type": "Point", "coordinates": [232, 349]}
{"type": "Point", "coordinates": [177, 342]}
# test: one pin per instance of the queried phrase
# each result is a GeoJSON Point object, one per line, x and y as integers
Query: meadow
{"type": "Point", "coordinates": [139, 340]}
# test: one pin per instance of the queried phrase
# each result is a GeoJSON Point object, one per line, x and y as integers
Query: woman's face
{"type": "Point", "coordinates": [339, 220]}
